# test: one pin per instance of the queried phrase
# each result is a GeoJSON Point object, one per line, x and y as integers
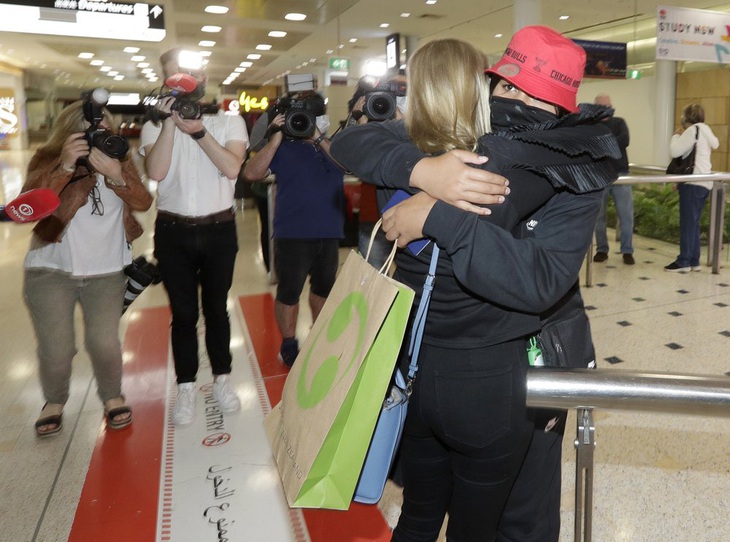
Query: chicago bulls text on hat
{"type": "Point", "coordinates": [543, 63]}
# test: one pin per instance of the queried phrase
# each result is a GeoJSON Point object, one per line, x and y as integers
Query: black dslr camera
{"type": "Point", "coordinates": [187, 104]}
{"type": "Point", "coordinates": [111, 144]}
{"type": "Point", "coordinates": [188, 109]}
{"type": "Point", "coordinates": [380, 103]}
{"type": "Point", "coordinates": [300, 115]}
{"type": "Point", "coordinates": [188, 93]}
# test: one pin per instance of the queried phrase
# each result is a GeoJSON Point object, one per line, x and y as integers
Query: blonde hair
{"type": "Point", "coordinates": [448, 96]}
{"type": "Point", "coordinates": [71, 121]}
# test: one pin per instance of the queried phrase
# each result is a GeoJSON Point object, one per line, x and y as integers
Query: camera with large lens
{"type": "Point", "coordinates": [300, 115]}
{"type": "Point", "coordinates": [140, 274]}
{"type": "Point", "coordinates": [380, 103]}
{"type": "Point", "coordinates": [111, 144]}
{"type": "Point", "coordinates": [188, 93]}
{"type": "Point", "coordinates": [187, 108]}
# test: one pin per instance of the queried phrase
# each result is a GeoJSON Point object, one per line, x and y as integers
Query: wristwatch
{"type": "Point", "coordinates": [198, 135]}
{"type": "Point", "coordinates": [319, 139]}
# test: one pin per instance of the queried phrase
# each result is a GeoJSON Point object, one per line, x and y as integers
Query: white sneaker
{"type": "Point", "coordinates": [224, 394]}
{"type": "Point", "coordinates": [696, 268]}
{"type": "Point", "coordinates": [184, 411]}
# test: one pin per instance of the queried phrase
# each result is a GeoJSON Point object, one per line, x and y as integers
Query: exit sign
{"type": "Point", "coordinates": [340, 64]}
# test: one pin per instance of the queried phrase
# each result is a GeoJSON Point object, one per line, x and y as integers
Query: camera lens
{"type": "Point", "coordinates": [188, 110]}
{"type": "Point", "coordinates": [112, 145]}
{"type": "Point", "coordinates": [299, 123]}
{"type": "Point", "coordinates": [379, 106]}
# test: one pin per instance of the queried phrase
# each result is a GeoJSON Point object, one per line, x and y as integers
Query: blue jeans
{"type": "Point", "coordinates": [51, 297]}
{"type": "Point", "coordinates": [193, 258]}
{"type": "Point", "coordinates": [691, 203]}
{"type": "Point", "coordinates": [624, 201]}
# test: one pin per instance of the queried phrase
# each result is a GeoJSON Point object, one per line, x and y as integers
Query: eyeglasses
{"type": "Point", "coordinates": [97, 206]}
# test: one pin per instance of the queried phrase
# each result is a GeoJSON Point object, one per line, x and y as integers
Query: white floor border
{"type": "Point", "coordinates": [218, 478]}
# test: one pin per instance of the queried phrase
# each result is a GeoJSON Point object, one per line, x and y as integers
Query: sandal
{"type": "Point", "coordinates": [53, 420]}
{"type": "Point", "coordinates": [112, 413]}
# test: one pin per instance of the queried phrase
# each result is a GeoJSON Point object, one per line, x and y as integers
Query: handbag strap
{"type": "Point", "coordinates": [419, 322]}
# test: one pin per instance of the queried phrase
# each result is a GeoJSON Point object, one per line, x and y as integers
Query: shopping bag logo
{"type": "Point", "coordinates": [333, 366]}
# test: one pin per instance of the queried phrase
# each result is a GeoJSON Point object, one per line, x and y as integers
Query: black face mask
{"type": "Point", "coordinates": [507, 113]}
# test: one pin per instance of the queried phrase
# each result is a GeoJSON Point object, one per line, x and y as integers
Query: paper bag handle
{"type": "Point", "coordinates": [385, 269]}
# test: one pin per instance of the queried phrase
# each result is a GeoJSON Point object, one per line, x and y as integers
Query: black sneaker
{"type": "Point", "coordinates": [674, 267]}
{"type": "Point", "coordinates": [600, 257]}
{"type": "Point", "coordinates": [289, 352]}
{"type": "Point", "coordinates": [629, 259]}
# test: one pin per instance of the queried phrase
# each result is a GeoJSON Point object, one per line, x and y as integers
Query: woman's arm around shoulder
{"type": "Point", "coordinates": [528, 274]}
{"type": "Point", "coordinates": [378, 153]}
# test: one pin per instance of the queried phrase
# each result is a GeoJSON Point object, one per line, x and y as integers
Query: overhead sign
{"type": "Point", "coordinates": [130, 21]}
{"type": "Point", "coordinates": [604, 59]}
{"type": "Point", "coordinates": [692, 34]}
{"type": "Point", "coordinates": [340, 64]}
{"type": "Point", "coordinates": [392, 54]}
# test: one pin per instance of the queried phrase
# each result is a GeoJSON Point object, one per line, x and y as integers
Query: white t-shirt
{"type": "Point", "coordinates": [194, 186]}
{"type": "Point", "coordinates": [92, 244]}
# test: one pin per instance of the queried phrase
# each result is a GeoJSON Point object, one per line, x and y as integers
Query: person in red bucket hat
{"type": "Point", "coordinates": [471, 449]}
{"type": "Point", "coordinates": [544, 65]}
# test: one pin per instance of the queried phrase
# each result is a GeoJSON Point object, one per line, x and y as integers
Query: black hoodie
{"type": "Point", "coordinates": [498, 273]}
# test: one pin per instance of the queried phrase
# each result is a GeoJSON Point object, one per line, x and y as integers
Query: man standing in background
{"type": "Point", "coordinates": [623, 199]}
{"type": "Point", "coordinates": [308, 212]}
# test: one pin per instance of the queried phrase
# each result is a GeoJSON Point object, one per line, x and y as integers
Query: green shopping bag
{"type": "Point", "coordinates": [321, 429]}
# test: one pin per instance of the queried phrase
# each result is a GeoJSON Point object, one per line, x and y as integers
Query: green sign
{"type": "Point", "coordinates": [340, 64]}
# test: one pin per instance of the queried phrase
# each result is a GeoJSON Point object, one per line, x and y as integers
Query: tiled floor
{"type": "Point", "coordinates": [657, 477]}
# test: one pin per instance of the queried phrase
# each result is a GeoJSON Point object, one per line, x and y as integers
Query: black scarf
{"type": "Point", "coordinates": [570, 151]}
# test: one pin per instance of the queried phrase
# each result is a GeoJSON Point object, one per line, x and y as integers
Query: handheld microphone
{"type": "Point", "coordinates": [30, 206]}
{"type": "Point", "coordinates": [181, 83]}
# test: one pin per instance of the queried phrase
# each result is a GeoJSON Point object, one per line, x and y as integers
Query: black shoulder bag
{"type": "Point", "coordinates": [684, 165]}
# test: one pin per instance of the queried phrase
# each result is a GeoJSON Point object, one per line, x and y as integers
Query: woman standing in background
{"type": "Point", "coordinates": [692, 194]}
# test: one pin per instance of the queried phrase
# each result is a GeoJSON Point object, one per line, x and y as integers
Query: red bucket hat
{"type": "Point", "coordinates": [543, 63]}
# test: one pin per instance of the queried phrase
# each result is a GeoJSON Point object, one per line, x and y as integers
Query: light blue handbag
{"type": "Point", "coordinates": [389, 428]}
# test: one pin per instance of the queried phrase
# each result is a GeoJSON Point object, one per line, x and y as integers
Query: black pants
{"type": "Point", "coordinates": [532, 513]}
{"type": "Point", "coordinates": [192, 258]}
{"type": "Point", "coordinates": [465, 438]}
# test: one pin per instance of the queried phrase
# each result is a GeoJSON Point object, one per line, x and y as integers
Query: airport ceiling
{"type": "Point", "coordinates": [330, 25]}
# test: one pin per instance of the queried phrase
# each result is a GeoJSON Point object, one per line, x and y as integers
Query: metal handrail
{"type": "Point", "coordinates": [589, 389]}
{"type": "Point", "coordinates": [623, 390]}
{"type": "Point", "coordinates": [655, 175]}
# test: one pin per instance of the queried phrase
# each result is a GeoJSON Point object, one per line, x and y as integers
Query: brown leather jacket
{"type": "Point", "coordinates": [45, 171]}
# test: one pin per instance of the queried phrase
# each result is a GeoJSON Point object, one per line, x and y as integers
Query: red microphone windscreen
{"type": "Point", "coordinates": [181, 82]}
{"type": "Point", "coordinates": [32, 205]}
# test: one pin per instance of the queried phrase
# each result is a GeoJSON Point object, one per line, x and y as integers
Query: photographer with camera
{"type": "Point", "coordinates": [196, 161]}
{"type": "Point", "coordinates": [308, 212]}
{"type": "Point", "coordinates": [374, 101]}
{"type": "Point", "coordinates": [77, 255]}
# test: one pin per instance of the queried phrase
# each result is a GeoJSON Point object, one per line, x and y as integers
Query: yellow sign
{"type": "Point", "coordinates": [247, 103]}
